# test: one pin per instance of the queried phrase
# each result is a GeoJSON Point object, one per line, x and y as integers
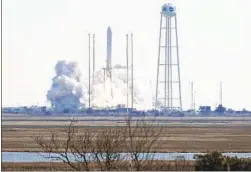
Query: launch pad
{"type": "Point", "coordinates": [108, 70]}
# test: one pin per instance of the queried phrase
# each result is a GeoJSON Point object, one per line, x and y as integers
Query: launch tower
{"type": "Point", "coordinates": [168, 86]}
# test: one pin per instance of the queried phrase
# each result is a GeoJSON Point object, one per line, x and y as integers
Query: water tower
{"type": "Point", "coordinates": [168, 86]}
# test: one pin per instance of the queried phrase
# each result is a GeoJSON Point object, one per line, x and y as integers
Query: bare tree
{"type": "Point", "coordinates": [106, 149]}
{"type": "Point", "coordinates": [81, 150]}
{"type": "Point", "coordinates": [72, 151]}
{"type": "Point", "coordinates": [180, 163]}
{"type": "Point", "coordinates": [142, 136]}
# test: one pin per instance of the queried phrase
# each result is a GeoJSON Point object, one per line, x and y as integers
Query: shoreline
{"type": "Point", "coordinates": [185, 152]}
{"type": "Point", "coordinates": [47, 157]}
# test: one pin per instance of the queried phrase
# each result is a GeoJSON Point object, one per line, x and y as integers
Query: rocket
{"type": "Point", "coordinates": [109, 52]}
{"type": "Point", "coordinates": [108, 68]}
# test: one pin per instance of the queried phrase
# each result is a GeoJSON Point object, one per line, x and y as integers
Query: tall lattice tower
{"type": "Point", "coordinates": [168, 85]}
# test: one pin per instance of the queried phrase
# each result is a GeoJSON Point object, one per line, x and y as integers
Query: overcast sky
{"type": "Point", "coordinates": [214, 44]}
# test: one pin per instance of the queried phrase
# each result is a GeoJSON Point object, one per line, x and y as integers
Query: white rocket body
{"type": "Point", "coordinates": [109, 52]}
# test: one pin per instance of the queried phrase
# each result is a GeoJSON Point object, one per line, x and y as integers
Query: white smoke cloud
{"type": "Point", "coordinates": [66, 91]}
{"type": "Point", "coordinates": [101, 95]}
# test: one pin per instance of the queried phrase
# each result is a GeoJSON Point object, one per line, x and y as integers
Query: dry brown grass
{"type": "Point", "coordinates": [46, 166]}
{"type": "Point", "coordinates": [223, 138]}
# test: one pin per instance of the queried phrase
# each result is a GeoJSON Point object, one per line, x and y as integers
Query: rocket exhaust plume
{"type": "Point", "coordinates": [66, 90]}
{"type": "Point", "coordinates": [142, 93]}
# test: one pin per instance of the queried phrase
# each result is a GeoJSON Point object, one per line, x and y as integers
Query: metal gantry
{"type": "Point", "coordinates": [93, 59]}
{"type": "Point", "coordinates": [171, 91]}
{"type": "Point", "coordinates": [91, 86]}
{"type": "Point", "coordinates": [220, 92]}
{"type": "Point", "coordinates": [89, 71]}
{"type": "Point", "coordinates": [132, 70]}
{"type": "Point", "coordinates": [127, 71]}
{"type": "Point", "coordinates": [127, 77]}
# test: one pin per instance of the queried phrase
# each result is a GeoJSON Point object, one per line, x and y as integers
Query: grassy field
{"type": "Point", "coordinates": [190, 134]}
{"type": "Point", "coordinates": [45, 166]}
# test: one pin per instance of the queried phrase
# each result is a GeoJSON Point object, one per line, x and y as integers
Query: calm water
{"type": "Point", "coordinates": [39, 157]}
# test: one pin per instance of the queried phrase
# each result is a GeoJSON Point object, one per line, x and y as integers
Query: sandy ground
{"type": "Point", "coordinates": [190, 134]}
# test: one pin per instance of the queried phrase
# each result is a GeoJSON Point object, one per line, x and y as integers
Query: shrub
{"type": "Point", "coordinates": [215, 161]}
{"type": "Point", "coordinates": [236, 164]}
{"type": "Point", "coordinates": [209, 162]}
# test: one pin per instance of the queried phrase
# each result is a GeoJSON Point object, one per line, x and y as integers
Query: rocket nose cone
{"type": "Point", "coordinates": [109, 30]}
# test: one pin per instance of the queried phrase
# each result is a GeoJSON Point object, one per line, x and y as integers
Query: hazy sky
{"type": "Point", "coordinates": [214, 44]}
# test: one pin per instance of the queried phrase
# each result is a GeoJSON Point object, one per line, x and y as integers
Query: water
{"type": "Point", "coordinates": [40, 157]}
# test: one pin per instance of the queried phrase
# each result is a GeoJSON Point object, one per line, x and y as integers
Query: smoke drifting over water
{"type": "Point", "coordinates": [66, 91]}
